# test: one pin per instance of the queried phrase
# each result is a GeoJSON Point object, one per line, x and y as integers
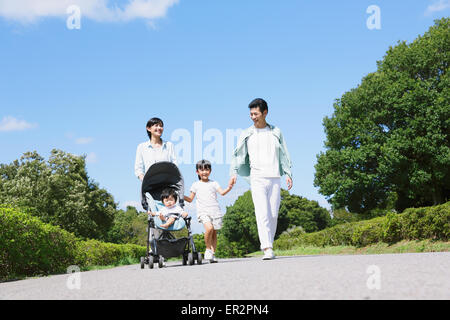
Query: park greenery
{"type": "Point", "coordinates": [385, 171]}
{"type": "Point", "coordinates": [58, 191]}
{"type": "Point", "coordinates": [387, 142]}
{"type": "Point", "coordinates": [31, 247]}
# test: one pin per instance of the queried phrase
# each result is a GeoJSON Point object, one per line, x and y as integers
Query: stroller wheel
{"type": "Point", "coordinates": [199, 258]}
{"type": "Point", "coordinates": [190, 258]}
{"type": "Point", "coordinates": [161, 262]}
{"type": "Point", "coordinates": [142, 262]}
{"type": "Point", "coordinates": [150, 261]}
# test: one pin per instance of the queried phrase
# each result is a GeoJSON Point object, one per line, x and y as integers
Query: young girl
{"type": "Point", "coordinates": [208, 209]}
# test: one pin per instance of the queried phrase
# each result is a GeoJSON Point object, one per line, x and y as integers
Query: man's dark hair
{"type": "Point", "coordinates": [169, 192]}
{"type": "Point", "coordinates": [259, 103]}
{"type": "Point", "coordinates": [203, 164]}
{"type": "Point", "coordinates": [151, 123]}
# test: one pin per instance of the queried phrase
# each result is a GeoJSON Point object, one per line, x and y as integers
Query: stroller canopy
{"type": "Point", "coordinates": [159, 176]}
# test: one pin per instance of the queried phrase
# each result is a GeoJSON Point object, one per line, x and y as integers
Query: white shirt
{"type": "Point", "coordinates": [206, 193]}
{"type": "Point", "coordinates": [146, 155]}
{"type": "Point", "coordinates": [174, 211]}
{"type": "Point", "coordinates": [263, 154]}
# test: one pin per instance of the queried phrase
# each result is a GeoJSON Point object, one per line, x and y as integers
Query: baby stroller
{"type": "Point", "coordinates": [163, 244]}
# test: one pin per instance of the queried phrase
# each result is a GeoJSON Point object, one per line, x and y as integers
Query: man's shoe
{"type": "Point", "coordinates": [268, 254]}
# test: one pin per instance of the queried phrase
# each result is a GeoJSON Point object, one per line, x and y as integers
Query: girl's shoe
{"type": "Point", "coordinates": [208, 254]}
{"type": "Point", "coordinates": [213, 259]}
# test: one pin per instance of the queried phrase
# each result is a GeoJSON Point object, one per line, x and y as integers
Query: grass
{"type": "Point", "coordinates": [378, 248]}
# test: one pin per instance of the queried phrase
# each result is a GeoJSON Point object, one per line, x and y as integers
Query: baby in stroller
{"type": "Point", "coordinates": [163, 181]}
{"type": "Point", "coordinates": [171, 210]}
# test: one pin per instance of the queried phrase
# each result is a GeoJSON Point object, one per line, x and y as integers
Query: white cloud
{"type": "Point", "coordinates": [27, 11]}
{"type": "Point", "coordinates": [9, 123]}
{"type": "Point", "coordinates": [91, 158]}
{"type": "Point", "coordinates": [84, 140]}
{"type": "Point", "coordinates": [437, 6]}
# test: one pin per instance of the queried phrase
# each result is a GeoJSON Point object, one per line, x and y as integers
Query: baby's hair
{"type": "Point", "coordinates": [169, 192]}
{"type": "Point", "coordinates": [203, 165]}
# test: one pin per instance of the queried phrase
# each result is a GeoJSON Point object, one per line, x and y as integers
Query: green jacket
{"type": "Point", "coordinates": [240, 163]}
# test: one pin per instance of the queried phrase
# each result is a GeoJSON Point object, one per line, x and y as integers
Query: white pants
{"type": "Point", "coordinates": [266, 199]}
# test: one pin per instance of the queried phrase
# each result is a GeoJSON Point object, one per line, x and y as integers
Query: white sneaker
{"type": "Point", "coordinates": [208, 254]}
{"type": "Point", "coordinates": [213, 259]}
{"type": "Point", "coordinates": [268, 254]}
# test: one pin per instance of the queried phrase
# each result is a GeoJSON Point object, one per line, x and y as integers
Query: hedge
{"type": "Point", "coordinates": [30, 247]}
{"type": "Point", "coordinates": [412, 224]}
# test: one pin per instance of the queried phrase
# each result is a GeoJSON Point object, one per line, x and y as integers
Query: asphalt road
{"type": "Point", "coordinates": [387, 276]}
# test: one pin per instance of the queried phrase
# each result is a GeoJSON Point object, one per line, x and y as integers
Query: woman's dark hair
{"type": "Point", "coordinates": [203, 165]}
{"type": "Point", "coordinates": [169, 192]}
{"type": "Point", "coordinates": [259, 103]}
{"type": "Point", "coordinates": [151, 123]}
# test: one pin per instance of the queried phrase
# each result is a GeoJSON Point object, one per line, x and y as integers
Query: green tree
{"type": "Point", "coordinates": [387, 142]}
{"type": "Point", "coordinates": [59, 192]}
{"type": "Point", "coordinates": [129, 226]}
{"type": "Point", "coordinates": [239, 225]}
{"type": "Point", "coordinates": [297, 211]}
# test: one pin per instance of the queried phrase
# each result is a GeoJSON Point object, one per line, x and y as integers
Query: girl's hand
{"type": "Point", "coordinates": [184, 214]}
{"type": "Point", "coordinates": [233, 180]}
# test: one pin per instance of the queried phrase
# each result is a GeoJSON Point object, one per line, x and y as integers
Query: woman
{"type": "Point", "coordinates": [154, 150]}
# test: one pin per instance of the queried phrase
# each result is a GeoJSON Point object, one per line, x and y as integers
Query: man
{"type": "Point", "coordinates": [261, 156]}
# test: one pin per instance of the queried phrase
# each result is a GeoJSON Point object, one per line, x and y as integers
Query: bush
{"type": "Point", "coordinates": [30, 247]}
{"type": "Point", "coordinates": [97, 253]}
{"type": "Point", "coordinates": [412, 224]}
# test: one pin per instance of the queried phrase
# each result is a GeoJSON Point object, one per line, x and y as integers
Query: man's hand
{"type": "Point", "coordinates": [141, 177]}
{"type": "Point", "coordinates": [289, 183]}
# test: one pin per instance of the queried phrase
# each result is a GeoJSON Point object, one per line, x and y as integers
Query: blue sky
{"type": "Point", "coordinates": [91, 90]}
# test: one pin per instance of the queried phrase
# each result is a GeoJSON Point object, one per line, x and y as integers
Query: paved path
{"type": "Point", "coordinates": [387, 276]}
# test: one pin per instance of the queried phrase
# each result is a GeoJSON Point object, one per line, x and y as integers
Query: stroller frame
{"type": "Point", "coordinates": [157, 252]}
{"type": "Point", "coordinates": [163, 246]}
